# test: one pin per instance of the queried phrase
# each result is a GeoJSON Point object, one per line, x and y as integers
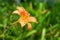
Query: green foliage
{"type": "Point", "coordinates": [48, 27]}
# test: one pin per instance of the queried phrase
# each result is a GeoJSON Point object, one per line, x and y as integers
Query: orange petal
{"type": "Point", "coordinates": [22, 11]}
{"type": "Point", "coordinates": [16, 12]}
{"type": "Point", "coordinates": [29, 26]}
{"type": "Point", "coordinates": [33, 19]}
{"type": "Point", "coordinates": [22, 22]}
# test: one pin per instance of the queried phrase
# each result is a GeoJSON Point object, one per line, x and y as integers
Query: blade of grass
{"type": "Point", "coordinates": [31, 32]}
{"type": "Point", "coordinates": [43, 34]}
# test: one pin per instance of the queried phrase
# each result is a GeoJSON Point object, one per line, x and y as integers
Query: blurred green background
{"type": "Point", "coordinates": [47, 13]}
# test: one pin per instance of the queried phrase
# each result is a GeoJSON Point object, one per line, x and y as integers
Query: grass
{"type": "Point", "coordinates": [48, 27]}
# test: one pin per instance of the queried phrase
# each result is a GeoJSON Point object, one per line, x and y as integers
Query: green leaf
{"type": "Point", "coordinates": [15, 17]}
{"type": "Point", "coordinates": [41, 7]}
{"type": "Point", "coordinates": [58, 38]}
{"type": "Point", "coordinates": [5, 22]}
{"type": "Point", "coordinates": [31, 32]}
{"type": "Point", "coordinates": [1, 25]}
{"type": "Point", "coordinates": [46, 15]}
{"type": "Point", "coordinates": [43, 34]}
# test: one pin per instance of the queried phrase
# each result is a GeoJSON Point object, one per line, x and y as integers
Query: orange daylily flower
{"type": "Point", "coordinates": [25, 17]}
{"type": "Point", "coordinates": [29, 26]}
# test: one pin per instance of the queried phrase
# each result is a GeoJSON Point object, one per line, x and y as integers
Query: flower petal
{"type": "Point", "coordinates": [22, 11]}
{"type": "Point", "coordinates": [16, 12]}
{"type": "Point", "coordinates": [33, 19]}
{"type": "Point", "coordinates": [22, 22]}
{"type": "Point", "coordinates": [29, 26]}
